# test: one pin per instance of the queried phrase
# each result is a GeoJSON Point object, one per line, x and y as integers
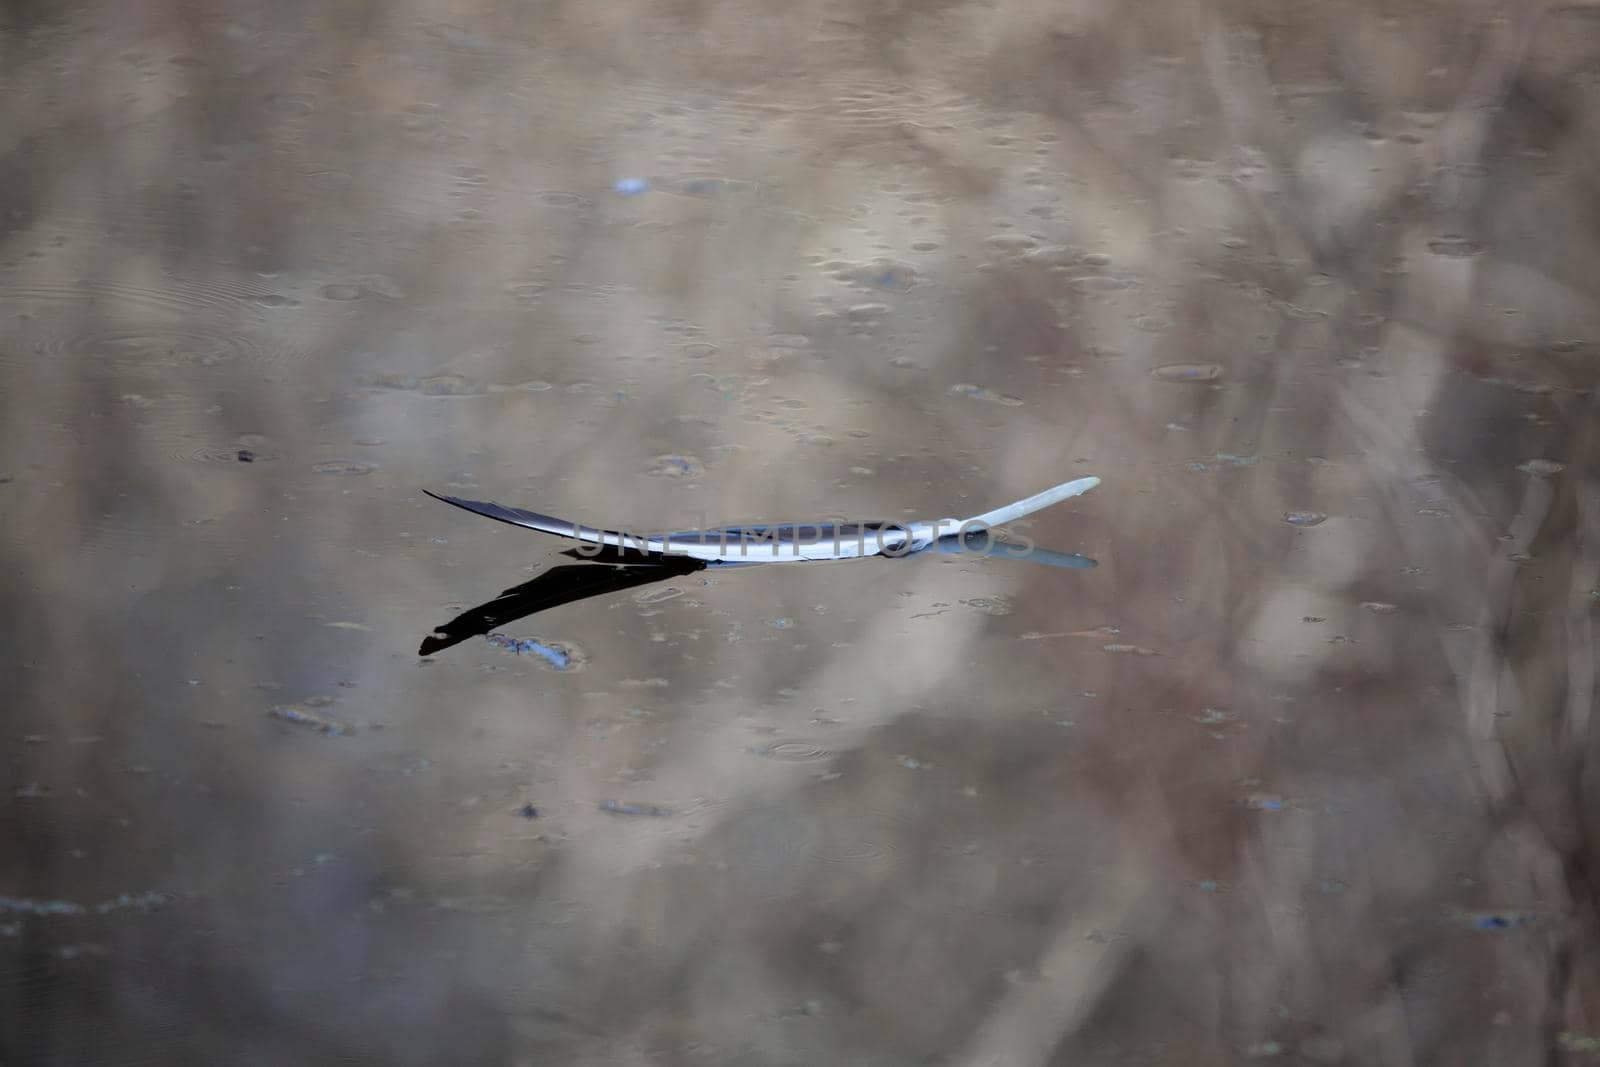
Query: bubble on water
{"type": "Point", "coordinates": [558, 654]}
{"type": "Point", "coordinates": [885, 274]}
{"type": "Point", "coordinates": [556, 198]}
{"type": "Point", "coordinates": [146, 901]}
{"type": "Point", "coordinates": [1304, 518]}
{"type": "Point", "coordinates": [1542, 467]}
{"type": "Point", "coordinates": [866, 312]}
{"type": "Point", "coordinates": [619, 807]}
{"type": "Point", "coordinates": [1454, 246]}
{"type": "Point", "coordinates": [1379, 607]}
{"type": "Point", "coordinates": [276, 300]}
{"type": "Point", "coordinates": [293, 105]}
{"type": "Point", "coordinates": [1100, 283]}
{"type": "Point", "coordinates": [1011, 242]}
{"type": "Point", "coordinates": [990, 605]}
{"type": "Point", "coordinates": [709, 187]}
{"type": "Point", "coordinates": [340, 292]}
{"type": "Point", "coordinates": [657, 596]}
{"type": "Point", "coordinates": [298, 716]}
{"type": "Point", "coordinates": [343, 466]}
{"type": "Point", "coordinates": [1188, 372]}
{"type": "Point", "coordinates": [978, 392]}
{"type": "Point", "coordinates": [449, 385]}
{"type": "Point", "coordinates": [674, 466]}
{"type": "Point", "coordinates": [794, 751]}
{"type": "Point", "coordinates": [1223, 459]}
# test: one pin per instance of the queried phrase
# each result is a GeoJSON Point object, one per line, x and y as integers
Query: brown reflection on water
{"type": "Point", "coordinates": [1302, 771]}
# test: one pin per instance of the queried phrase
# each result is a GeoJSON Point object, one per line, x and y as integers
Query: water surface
{"type": "Point", "coordinates": [1300, 771]}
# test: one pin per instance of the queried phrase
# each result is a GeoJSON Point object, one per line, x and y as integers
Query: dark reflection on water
{"type": "Point", "coordinates": [553, 588]}
{"type": "Point", "coordinates": [1301, 771]}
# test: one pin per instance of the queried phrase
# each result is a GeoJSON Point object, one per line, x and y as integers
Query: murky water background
{"type": "Point", "coordinates": [1302, 772]}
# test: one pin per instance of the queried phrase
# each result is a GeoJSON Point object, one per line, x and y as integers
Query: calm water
{"type": "Point", "coordinates": [1303, 771]}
